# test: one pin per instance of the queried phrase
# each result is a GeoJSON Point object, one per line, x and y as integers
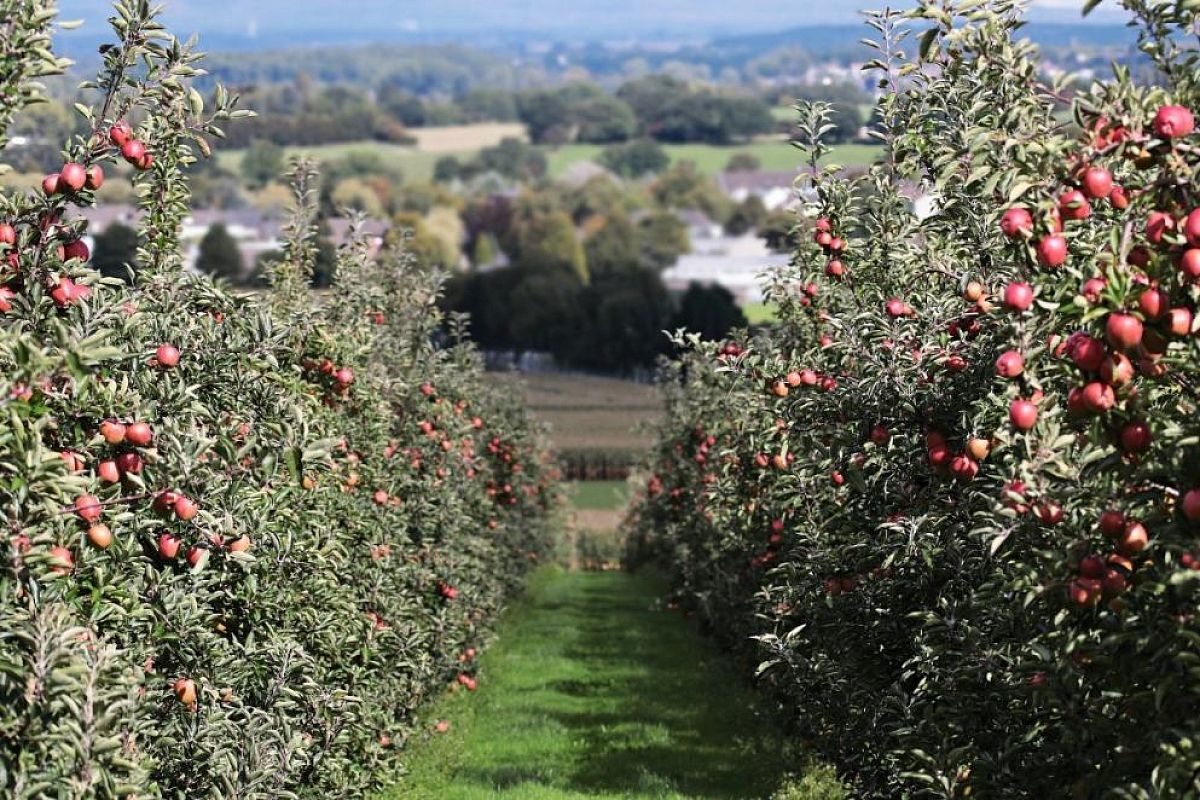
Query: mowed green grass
{"type": "Point", "coordinates": [594, 690]}
{"type": "Point", "coordinates": [759, 313]}
{"type": "Point", "coordinates": [598, 495]}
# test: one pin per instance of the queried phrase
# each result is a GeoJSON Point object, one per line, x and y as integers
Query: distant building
{"type": "Point", "coordinates": [735, 262]}
{"type": "Point", "coordinates": [775, 189]}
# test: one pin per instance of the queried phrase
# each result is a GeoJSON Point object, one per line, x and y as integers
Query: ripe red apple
{"type": "Point", "coordinates": [1179, 322]}
{"type": "Point", "coordinates": [100, 536]}
{"type": "Point", "coordinates": [1154, 302]}
{"type": "Point", "coordinates": [76, 249]}
{"type": "Point", "coordinates": [168, 546]}
{"type": "Point", "coordinates": [1010, 364]}
{"type": "Point", "coordinates": [835, 268]}
{"type": "Point", "coordinates": [112, 431]}
{"type": "Point", "coordinates": [133, 151]}
{"type": "Point", "coordinates": [1073, 205]}
{"type": "Point", "coordinates": [964, 467]}
{"type": "Point", "coordinates": [108, 471]}
{"type": "Point", "coordinates": [240, 544]}
{"type": "Point", "coordinates": [1112, 523]}
{"type": "Point", "coordinates": [1092, 566]}
{"type": "Point", "coordinates": [895, 308]}
{"type": "Point", "coordinates": [185, 691]}
{"type": "Point", "coordinates": [1023, 414]}
{"type": "Point", "coordinates": [1133, 539]}
{"type": "Point", "coordinates": [1018, 296]}
{"type": "Point", "coordinates": [72, 177]}
{"type": "Point", "coordinates": [52, 184]}
{"type": "Point", "coordinates": [1098, 397]}
{"type": "Point", "coordinates": [1190, 505]}
{"type": "Point", "coordinates": [139, 434]}
{"type": "Point", "coordinates": [441, 726]}
{"type": "Point", "coordinates": [344, 376]}
{"type": "Point", "coordinates": [167, 355]}
{"type": "Point", "coordinates": [197, 556]}
{"type": "Point", "coordinates": [1172, 122]}
{"type": "Point", "coordinates": [1016, 223]}
{"type": "Point", "coordinates": [880, 435]}
{"type": "Point", "coordinates": [1052, 251]}
{"type": "Point", "coordinates": [95, 177]}
{"type": "Point", "coordinates": [1114, 582]}
{"type": "Point", "coordinates": [1158, 225]}
{"type": "Point", "coordinates": [63, 293]}
{"type": "Point", "coordinates": [1117, 370]}
{"type": "Point", "coordinates": [1191, 227]}
{"type": "Point", "coordinates": [130, 463]}
{"type": "Point", "coordinates": [1097, 183]}
{"type": "Point", "coordinates": [1118, 198]}
{"type": "Point", "coordinates": [1085, 592]}
{"type": "Point", "coordinates": [185, 508]}
{"type": "Point", "coordinates": [1136, 437]}
{"type": "Point", "coordinates": [87, 507]}
{"type": "Point", "coordinates": [164, 502]}
{"type": "Point", "coordinates": [61, 560]}
{"type": "Point", "coordinates": [1124, 331]}
{"type": "Point", "coordinates": [120, 133]}
{"type": "Point", "coordinates": [1093, 288]}
{"type": "Point", "coordinates": [1048, 512]}
{"type": "Point", "coordinates": [978, 448]}
{"type": "Point", "coordinates": [8, 234]}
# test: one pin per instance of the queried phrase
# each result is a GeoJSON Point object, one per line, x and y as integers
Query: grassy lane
{"type": "Point", "coordinates": [593, 692]}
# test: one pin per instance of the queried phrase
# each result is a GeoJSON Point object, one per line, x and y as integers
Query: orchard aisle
{"type": "Point", "coordinates": [592, 691]}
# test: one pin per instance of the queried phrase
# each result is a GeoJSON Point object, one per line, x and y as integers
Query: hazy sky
{"type": "Point", "coordinates": [579, 17]}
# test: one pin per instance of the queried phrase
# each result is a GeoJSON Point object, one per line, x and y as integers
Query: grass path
{"type": "Point", "coordinates": [594, 692]}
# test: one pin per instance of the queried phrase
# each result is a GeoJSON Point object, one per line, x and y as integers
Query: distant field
{"type": "Point", "coordinates": [416, 161]}
{"type": "Point", "coordinates": [586, 412]}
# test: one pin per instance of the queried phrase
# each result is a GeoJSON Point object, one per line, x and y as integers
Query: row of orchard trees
{"type": "Point", "coordinates": [955, 497]}
{"type": "Point", "coordinates": [244, 537]}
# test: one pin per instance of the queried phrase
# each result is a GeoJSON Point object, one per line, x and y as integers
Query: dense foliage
{"type": "Point", "coordinates": [246, 536]}
{"type": "Point", "coordinates": [955, 496]}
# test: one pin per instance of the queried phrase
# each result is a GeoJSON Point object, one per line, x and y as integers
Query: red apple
{"type": "Point", "coordinates": [1052, 251]}
{"type": "Point", "coordinates": [1073, 205]}
{"type": "Point", "coordinates": [1098, 397]}
{"type": "Point", "coordinates": [139, 434]}
{"type": "Point", "coordinates": [1097, 183]}
{"type": "Point", "coordinates": [185, 508]}
{"type": "Point", "coordinates": [1048, 512]}
{"type": "Point", "coordinates": [1172, 122]}
{"type": "Point", "coordinates": [1086, 352]}
{"type": "Point", "coordinates": [100, 536]}
{"type": "Point", "coordinates": [1154, 302]}
{"type": "Point", "coordinates": [52, 184]}
{"type": "Point", "coordinates": [1016, 223]}
{"type": "Point", "coordinates": [1158, 225]}
{"type": "Point", "coordinates": [1010, 364]}
{"type": "Point", "coordinates": [95, 177]}
{"type": "Point", "coordinates": [87, 507]}
{"type": "Point", "coordinates": [1190, 505]}
{"type": "Point", "coordinates": [1118, 198]}
{"type": "Point", "coordinates": [1112, 523]}
{"type": "Point", "coordinates": [119, 133]}
{"type": "Point", "coordinates": [1117, 370]}
{"type": "Point", "coordinates": [130, 463]}
{"type": "Point", "coordinates": [72, 177]}
{"type": "Point", "coordinates": [167, 355]}
{"type": "Point", "coordinates": [1136, 437]}
{"type": "Point", "coordinates": [1191, 228]}
{"type": "Point", "coordinates": [1092, 566]}
{"type": "Point", "coordinates": [112, 431]}
{"type": "Point", "coordinates": [1018, 296]}
{"type": "Point", "coordinates": [168, 546]}
{"type": "Point", "coordinates": [8, 234]}
{"type": "Point", "coordinates": [61, 560]}
{"type": "Point", "coordinates": [1179, 322]}
{"type": "Point", "coordinates": [1133, 539]}
{"type": "Point", "coordinates": [133, 151]}
{"type": "Point", "coordinates": [108, 471]}
{"type": "Point", "coordinates": [1023, 414]}
{"type": "Point", "coordinates": [1124, 331]}
{"type": "Point", "coordinates": [1189, 263]}
{"type": "Point", "coordinates": [185, 691]}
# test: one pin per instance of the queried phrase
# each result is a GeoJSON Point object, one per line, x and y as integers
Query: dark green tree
{"type": "Point", "coordinates": [661, 239]}
{"type": "Point", "coordinates": [262, 163]}
{"type": "Point", "coordinates": [710, 311]}
{"type": "Point", "coordinates": [746, 216]}
{"type": "Point", "coordinates": [635, 159]}
{"type": "Point", "coordinates": [743, 162]}
{"type": "Point", "coordinates": [114, 252]}
{"type": "Point", "coordinates": [219, 255]}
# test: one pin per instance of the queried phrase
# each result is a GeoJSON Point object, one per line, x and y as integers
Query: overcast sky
{"type": "Point", "coordinates": [580, 17]}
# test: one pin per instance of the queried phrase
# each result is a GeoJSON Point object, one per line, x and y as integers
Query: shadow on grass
{"type": "Point", "coordinates": [616, 698]}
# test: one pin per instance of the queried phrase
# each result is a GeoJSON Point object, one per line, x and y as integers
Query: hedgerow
{"type": "Point", "coordinates": [246, 535]}
{"type": "Point", "coordinates": [954, 497]}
